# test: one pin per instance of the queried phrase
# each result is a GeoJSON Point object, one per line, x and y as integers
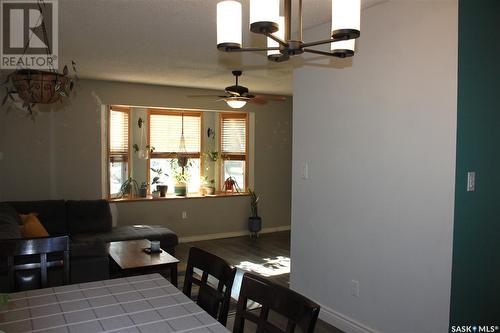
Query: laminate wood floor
{"type": "Point", "coordinates": [268, 255]}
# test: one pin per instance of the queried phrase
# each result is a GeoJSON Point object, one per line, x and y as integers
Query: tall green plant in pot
{"type": "Point", "coordinates": [254, 221]}
{"type": "Point", "coordinates": [180, 170]}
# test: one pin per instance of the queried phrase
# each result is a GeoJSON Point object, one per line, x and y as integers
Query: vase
{"type": "Point", "coordinates": [180, 189]}
{"type": "Point", "coordinates": [254, 224]}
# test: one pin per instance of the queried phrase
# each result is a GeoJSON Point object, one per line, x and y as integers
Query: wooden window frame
{"type": "Point", "coordinates": [156, 111]}
{"type": "Point", "coordinates": [234, 157]}
{"type": "Point", "coordinates": [126, 110]}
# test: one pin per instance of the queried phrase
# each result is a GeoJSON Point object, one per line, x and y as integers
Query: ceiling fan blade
{"type": "Point", "coordinates": [232, 93]}
{"type": "Point", "coordinates": [196, 96]}
{"type": "Point", "coordinates": [272, 97]}
{"type": "Point", "coordinates": [258, 100]}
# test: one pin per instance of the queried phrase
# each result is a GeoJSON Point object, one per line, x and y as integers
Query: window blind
{"type": "Point", "coordinates": [118, 134]}
{"type": "Point", "coordinates": [233, 135]}
{"type": "Point", "coordinates": [165, 132]}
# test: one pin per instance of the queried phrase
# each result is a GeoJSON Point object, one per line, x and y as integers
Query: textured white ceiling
{"type": "Point", "coordinates": [168, 42]}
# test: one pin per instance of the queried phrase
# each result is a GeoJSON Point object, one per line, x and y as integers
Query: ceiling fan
{"type": "Point", "coordinates": [237, 96]}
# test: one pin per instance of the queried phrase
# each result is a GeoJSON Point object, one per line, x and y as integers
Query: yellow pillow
{"type": "Point", "coordinates": [32, 227]}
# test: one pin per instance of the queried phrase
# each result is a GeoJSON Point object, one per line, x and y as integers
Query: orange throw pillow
{"type": "Point", "coordinates": [32, 227]}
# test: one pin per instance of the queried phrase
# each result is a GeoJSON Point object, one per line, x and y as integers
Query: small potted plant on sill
{"type": "Point", "coordinates": [129, 188]}
{"type": "Point", "coordinates": [181, 181]}
{"type": "Point", "coordinates": [180, 168]}
{"type": "Point", "coordinates": [208, 186]}
{"type": "Point", "coordinates": [230, 185]}
{"type": "Point", "coordinates": [254, 221]}
{"type": "Point", "coordinates": [163, 189]}
{"type": "Point", "coordinates": [143, 190]}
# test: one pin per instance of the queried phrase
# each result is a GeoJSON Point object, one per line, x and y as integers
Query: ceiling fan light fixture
{"type": "Point", "coordinates": [346, 18]}
{"type": "Point", "coordinates": [264, 16]}
{"type": "Point", "coordinates": [229, 29]}
{"type": "Point", "coordinates": [236, 103]}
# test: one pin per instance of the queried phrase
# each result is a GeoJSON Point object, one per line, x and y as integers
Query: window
{"type": "Point", "coordinates": [143, 146]}
{"type": "Point", "coordinates": [233, 143]}
{"type": "Point", "coordinates": [118, 153]}
{"type": "Point", "coordinates": [165, 129]}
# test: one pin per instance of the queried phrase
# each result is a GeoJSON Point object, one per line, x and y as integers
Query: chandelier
{"type": "Point", "coordinates": [265, 20]}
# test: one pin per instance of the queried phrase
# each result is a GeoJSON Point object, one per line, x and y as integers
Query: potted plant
{"type": "Point", "coordinates": [159, 184]}
{"type": "Point", "coordinates": [129, 188]}
{"type": "Point", "coordinates": [230, 185]}
{"type": "Point", "coordinates": [208, 186]}
{"type": "Point", "coordinates": [180, 167]}
{"type": "Point", "coordinates": [38, 87]}
{"type": "Point", "coordinates": [254, 221]}
{"type": "Point", "coordinates": [181, 181]}
{"type": "Point", "coordinates": [143, 153]}
{"type": "Point", "coordinates": [143, 190]}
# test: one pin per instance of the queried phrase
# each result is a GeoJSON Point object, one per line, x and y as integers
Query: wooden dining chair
{"type": "Point", "coordinates": [213, 297]}
{"type": "Point", "coordinates": [28, 261]}
{"type": "Point", "coordinates": [297, 309]}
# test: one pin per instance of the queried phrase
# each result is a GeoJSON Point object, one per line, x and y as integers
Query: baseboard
{"type": "Point", "coordinates": [342, 322]}
{"type": "Point", "coordinates": [230, 234]}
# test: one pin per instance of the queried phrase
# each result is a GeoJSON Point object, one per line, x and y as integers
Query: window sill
{"type": "Point", "coordinates": [174, 197]}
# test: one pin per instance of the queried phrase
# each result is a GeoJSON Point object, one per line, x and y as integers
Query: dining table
{"type": "Point", "coordinates": [136, 304]}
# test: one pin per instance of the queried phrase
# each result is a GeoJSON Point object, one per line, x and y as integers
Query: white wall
{"type": "Point", "coordinates": [379, 138]}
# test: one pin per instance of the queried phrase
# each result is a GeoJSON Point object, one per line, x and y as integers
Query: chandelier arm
{"type": "Point", "coordinates": [324, 41]}
{"type": "Point", "coordinates": [277, 39]}
{"type": "Point", "coordinates": [321, 52]}
{"type": "Point", "coordinates": [288, 19]}
{"type": "Point", "coordinates": [299, 22]}
{"type": "Point", "coordinates": [252, 49]}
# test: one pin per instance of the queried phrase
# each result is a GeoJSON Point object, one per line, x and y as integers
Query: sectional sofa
{"type": "Point", "coordinates": [89, 226]}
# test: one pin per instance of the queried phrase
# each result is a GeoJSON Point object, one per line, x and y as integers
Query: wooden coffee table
{"type": "Point", "coordinates": [132, 260]}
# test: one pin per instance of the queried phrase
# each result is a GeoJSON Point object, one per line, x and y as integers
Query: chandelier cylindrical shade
{"type": "Point", "coordinates": [264, 16]}
{"type": "Point", "coordinates": [236, 103]}
{"type": "Point", "coordinates": [229, 24]}
{"type": "Point", "coordinates": [346, 18]}
{"type": "Point", "coordinates": [280, 34]}
{"type": "Point", "coordinates": [343, 48]}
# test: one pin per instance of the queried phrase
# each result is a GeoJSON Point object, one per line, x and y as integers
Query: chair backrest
{"type": "Point", "coordinates": [32, 254]}
{"type": "Point", "coordinates": [297, 309]}
{"type": "Point", "coordinates": [213, 300]}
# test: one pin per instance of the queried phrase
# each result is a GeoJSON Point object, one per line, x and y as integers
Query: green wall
{"type": "Point", "coordinates": [475, 297]}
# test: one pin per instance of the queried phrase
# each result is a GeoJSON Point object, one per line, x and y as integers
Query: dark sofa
{"type": "Point", "coordinates": [89, 225]}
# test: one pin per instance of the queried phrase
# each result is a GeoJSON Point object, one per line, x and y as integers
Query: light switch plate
{"type": "Point", "coordinates": [304, 170]}
{"type": "Point", "coordinates": [471, 181]}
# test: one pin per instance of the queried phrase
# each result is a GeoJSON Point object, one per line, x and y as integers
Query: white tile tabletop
{"type": "Point", "coordinates": [138, 304]}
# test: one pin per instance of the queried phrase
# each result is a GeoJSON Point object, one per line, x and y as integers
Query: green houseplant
{"type": "Point", "coordinates": [159, 184]}
{"type": "Point", "coordinates": [254, 221]}
{"type": "Point", "coordinates": [208, 186]}
{"type": "Point", "coordinates": [129, 188]}
{"type": "Point", "coordinates": [180, 169]}
{"type": "Point", "coordinates": [181, 181]}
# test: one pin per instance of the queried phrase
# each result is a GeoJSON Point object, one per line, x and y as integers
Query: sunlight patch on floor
{"type": "Point", "coordinates": [270, 267]}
